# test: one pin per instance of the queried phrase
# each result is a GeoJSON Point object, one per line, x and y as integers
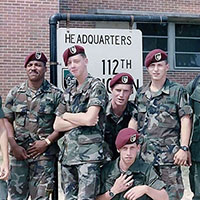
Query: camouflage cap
{"type": "Point", "coordinates": [121, 78]}
{"type": "Point", "coordinates": [38, 56]}
{"type": "Point", "coordinates": [155, 55]}
{"type": "Point", "coordinates": [126, 136]}
{"type": "Point", "coordinates": [72, 51]}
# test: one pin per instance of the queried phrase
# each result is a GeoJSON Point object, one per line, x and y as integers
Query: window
{"type": "Point", "coordinates": [187, 45]}
{"type": "Point", "coordinates": [154, 36]}
{"type": "Point", "coordinates": [181, 40]}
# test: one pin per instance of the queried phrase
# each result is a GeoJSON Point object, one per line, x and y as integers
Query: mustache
{"type": "Point", "coordinates": [35, 71]}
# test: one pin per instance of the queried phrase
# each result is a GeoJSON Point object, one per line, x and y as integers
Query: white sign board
{"type": "Point", "coordinates": [109, 51]}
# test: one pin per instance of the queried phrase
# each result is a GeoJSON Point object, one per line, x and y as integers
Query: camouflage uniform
{"type": "Point", "coordinates": [194, 174]}
{"type": "Point", "coordinates": [33, 116]}
{"type": "Point", "coordinates": [114, 124]}
{"type": "Point", "coordinates": [143, 174]}
{"type": "Point", "coordinates": [3, 184]}
{"type": "Point", "coordinates": [158, 119]}
{"type": "Point", "coordinates": [82, 147]}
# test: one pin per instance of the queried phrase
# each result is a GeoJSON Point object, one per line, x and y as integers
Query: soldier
{"type": "Point", "coordinates": [119, 109]}
{"type": "Point", "coordinates": [29, 111]}
{"type": "Point", "coordinates": [194, 174]}
{"type": "Point", "coordinates": [4, 160]}
{"type": "Point", "coordinates": [81, 114]}
{"type": "Point", "coordinates": [128, 177]}
{"type": "Point", "coordinates": [163, 118]}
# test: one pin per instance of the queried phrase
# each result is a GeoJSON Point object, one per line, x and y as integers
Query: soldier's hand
{"type": "Point", "coordinates": [94, 121]}
{"type": "Point", "coordinates": [36, 148]}
{"type": "Point", "coordinates": [189, 160]}
{"type": "Point", "coordinates": [19, 152]}
{"type": "Point", "coordinates": [180, 158]}
{"type": "Point", "coordinates": [122, 183]}
{"type": "Point", "coordinates": [4, 171]}
{"type": "Point", "coordinates": [135, 192]}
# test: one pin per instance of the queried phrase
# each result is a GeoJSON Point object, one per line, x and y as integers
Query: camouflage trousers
{"type": "Point", "coordinates": [33, 179]}
{"type": "Point", "coordinates": [194, 176]}
{"type": "Point", "coordinates": [171, 175]}
{"type": "Point", "coordinates": [3, 190]}
{"type": "Point", "coordinates": [80, 182]}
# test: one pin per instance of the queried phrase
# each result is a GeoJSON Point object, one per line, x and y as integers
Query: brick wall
{"type": "Point", "coordinates": [24, 27]}
{"type": "Point", "coordinates": [174, 6]}
{"type": "Point", "coordinates": [157, 6]}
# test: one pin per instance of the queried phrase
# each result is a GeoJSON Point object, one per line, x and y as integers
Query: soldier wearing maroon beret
{"type": "Point", "coordinates": [164, 120]}
{"type": "Point", "coordinates": [81, 114]}
{"type": "Point", "coordinates": [30, 114]}
{"type": "Point", "coordinates": [119, 109]}
{"type": "Point", "coordinates": [128, 176]}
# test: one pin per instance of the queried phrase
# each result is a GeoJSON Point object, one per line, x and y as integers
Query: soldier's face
{"type": "Point", "coordinates": [158, 70]}
{"type": "Point", "coordinates": [128, 153]}
{"type": "Point", "coordinates": [35, 70]}
{"type": "Point", "coordinates": [77, 65]}
{"type": "Point", "coordinates": [121, 94]}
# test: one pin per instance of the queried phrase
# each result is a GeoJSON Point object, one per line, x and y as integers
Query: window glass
{"type": "Point", "coordinates": [187, 46]}
{"type": "Point", "coordinates": [154, 36]}
{"type": "Point", "coordinates": [153, 29]}
{"type": "Point", "coordinates": [154, 43]}
{"type": "Point", "coordinates": [187, 30]}
{"type": "Point", "coordinates": [187, 60]}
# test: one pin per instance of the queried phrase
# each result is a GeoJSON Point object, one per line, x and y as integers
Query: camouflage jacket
{"type": "Point", "coordinates": [84, 143]}
{"type": "Point", "coordinates": [159, 121]}
{"type": "Point", "coordinates": [143, 174]}
{"type": "Point", "coordinates": [195, 103]}
{"type": "Point", "coordinates": [33, 114]}
{"type": "Point", "coordinates": [114, 124]}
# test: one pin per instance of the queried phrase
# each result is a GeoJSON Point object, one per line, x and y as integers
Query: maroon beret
{"type": "Point", "coordinates": [38, 56]}
{"type": "Point", "coordinates": [121, 78]}
{"type": "Point", "coordinates": [126, 136]}
{"type": "Point", "coordinates": [155, 55]}
{"type": "Point", "coordinates": [72, 51]}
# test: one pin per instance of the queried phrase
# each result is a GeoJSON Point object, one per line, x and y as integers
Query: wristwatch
{"type": "Point", "coordinates": [184, 148]}
{"type": "Point", "coordinates": [111, 193]}
{"type": "Point", "coordinates": [47, 141]}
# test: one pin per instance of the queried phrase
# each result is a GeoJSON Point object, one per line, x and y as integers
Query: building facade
{"type": "Point", "coordinates": [24, 28]}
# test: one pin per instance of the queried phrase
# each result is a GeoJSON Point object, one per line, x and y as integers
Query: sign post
{"type": "Point", "coordinates": [109, 52]}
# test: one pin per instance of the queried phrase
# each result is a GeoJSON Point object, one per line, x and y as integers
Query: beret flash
{"type": "Point", "coordinates": [155, 55]}
{"type": "Point", "coordinates": [72, 51]}
{"type": "Point", "coordinates": [38, 56]}
{"type": "Point", "coordinates": [121, 78]}
{"type": "Point", "coordinates": [126, 136]}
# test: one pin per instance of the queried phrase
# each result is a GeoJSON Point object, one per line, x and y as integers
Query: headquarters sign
{"type": "Point", "coordinates": [109, 51]}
